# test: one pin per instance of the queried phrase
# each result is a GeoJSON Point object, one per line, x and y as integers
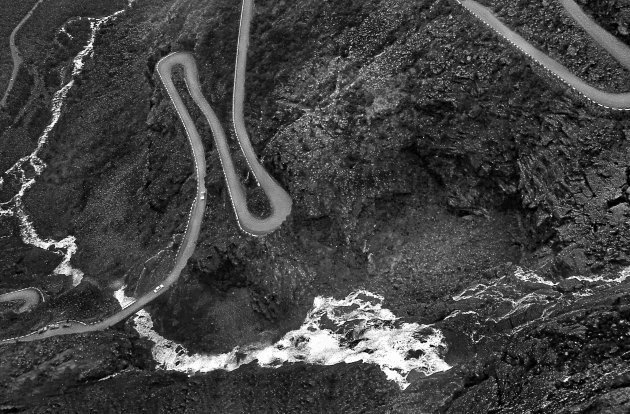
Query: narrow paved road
{"type": "Point", "coordinates": [30, 296]}
{"type": "Point", "coordinates": [15, 54]}
{"type": "Point", "coordinates": [278, 198]}
{"type": "Point", "coordinates": [619, 50]}
{"type": "Point", "coordinates": [619, 101]}
{"type": "Point", "coordinates": [189, 241]}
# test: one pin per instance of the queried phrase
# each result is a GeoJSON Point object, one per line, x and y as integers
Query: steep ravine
{"type": "Point", "coordinates": [424, 157]}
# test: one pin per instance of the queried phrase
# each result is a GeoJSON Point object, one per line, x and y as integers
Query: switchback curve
{"type": "Point", "coordinates": [278, 198]}
{"type": "Point", "coordinates": [193, 226]}
{"type": "Point", "coordinates": [30, 296]}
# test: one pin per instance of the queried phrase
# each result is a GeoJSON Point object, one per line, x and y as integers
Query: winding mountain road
{"type": "Point", "coordinates": [620, 51]}
{"type": "Point", "coordinates": [15, 54]}
{"type": "Point", "coordinates": [279, 200]}
{"type": "Point", "coordinates": [30, 296]}
{"type": "Point", "coordinates": [189, 241]}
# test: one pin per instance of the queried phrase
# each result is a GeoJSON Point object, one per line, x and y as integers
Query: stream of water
{"type": "Point", "coordinates": [29, 167]}
{"type": "Point", "coordinates": [356, 328]}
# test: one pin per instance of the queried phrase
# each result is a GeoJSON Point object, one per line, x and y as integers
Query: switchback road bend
{"type": "Point", "coordinates": [279, 199]}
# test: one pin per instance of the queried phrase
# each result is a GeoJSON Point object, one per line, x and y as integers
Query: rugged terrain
{"type": "Point", "coordinates": [424, 155]}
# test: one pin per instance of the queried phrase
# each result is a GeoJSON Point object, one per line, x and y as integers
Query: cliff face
{"type": "Point", "coordinates": [423, 155]}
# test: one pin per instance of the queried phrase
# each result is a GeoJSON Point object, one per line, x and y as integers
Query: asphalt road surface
{"type": "Point", "coordinates": [15, 54]}
{"type": "Point", "coordinates": [30, 296]}
{"type": "Point", "coordinates": [279, 199]}
{"type": "Point", "coordinates": [619, 101]}
{"type": "Point", "coordinates": [189, 241]}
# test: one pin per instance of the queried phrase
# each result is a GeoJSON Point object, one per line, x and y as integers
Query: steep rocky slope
{"type": "Point", "coordinates": [423, 154]}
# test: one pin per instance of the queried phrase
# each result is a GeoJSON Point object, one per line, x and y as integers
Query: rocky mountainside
{"type": "Point", "coordinates": [426, 157]}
